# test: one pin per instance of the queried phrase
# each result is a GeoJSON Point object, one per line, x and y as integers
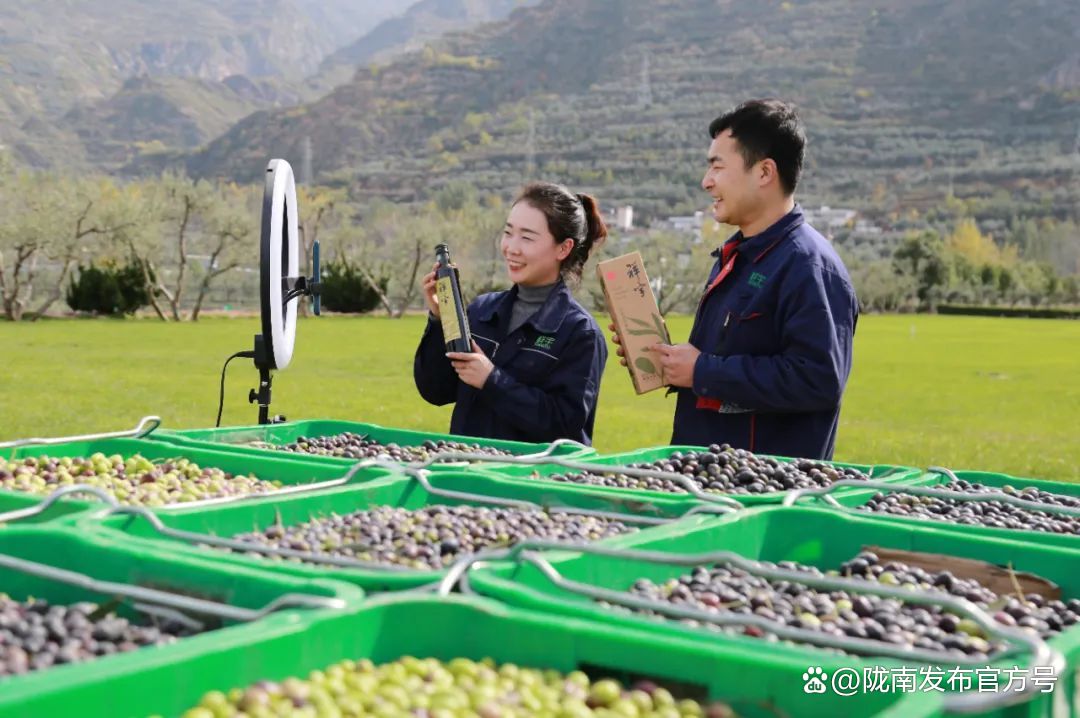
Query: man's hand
{"type": "Point", "coordinates": [618, 344]}
{"type": "Point", "coordinates": [473, 367]}
{"type": "Point", "coordinates": [678, 362]}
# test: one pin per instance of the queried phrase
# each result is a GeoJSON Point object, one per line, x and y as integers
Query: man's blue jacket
{"type": "Point", "coordinates": [776, 339]}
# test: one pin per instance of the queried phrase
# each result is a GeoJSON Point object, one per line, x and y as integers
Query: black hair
{"type": "Point", "coordinates": [569, 216]}
{"type": "Point", "coordinates": [770, 129]}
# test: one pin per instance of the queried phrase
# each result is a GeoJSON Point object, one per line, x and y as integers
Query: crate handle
{"type": "Point", "coordinates": [111, 500]}
{"type": "Point", "coordinates": [194, 537]}
{"type": "Point", "coordinates": [823, 493]}
{"type": "Point", "coordinates": [417, 475]}
{"type": "Point", "coordinates": [145, 427]}
{"type": "Point", "coordinates": [550, 448]}
{"type": "Point", "coordinates": [164, 598]}
{"type": "Point", "coordinates": [1043, 656]}
{"type": "Point", "coordinates": [418, 471]}
{"type": "Point", "coordinates": [420, 476]}
{"type": "Point", "coordinates": [681, 479]}
{"type": "Point", "coordinates": [41, 506]}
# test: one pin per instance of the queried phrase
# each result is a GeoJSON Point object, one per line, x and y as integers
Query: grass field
{"type": "Point", "coordinates": [995, 394]}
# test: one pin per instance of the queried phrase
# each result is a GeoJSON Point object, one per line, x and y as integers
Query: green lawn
{"type": "Point", "coordinates": [995, 394]}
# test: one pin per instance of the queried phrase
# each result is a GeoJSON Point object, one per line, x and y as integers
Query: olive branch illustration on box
{"type": "Point", "coordinates": [656, 329]}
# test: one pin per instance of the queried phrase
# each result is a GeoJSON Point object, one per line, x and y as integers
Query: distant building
{"type": "Point", "coordinates": [828, 219]}
{"type": "Point", "coordinates": [863, 226]}
{"type": "Point", "coordinates": [684, 224]}
{"type": "Point", "coordinates": [620, 218]}
{"type": "Point", "coordinates": [687, 223]}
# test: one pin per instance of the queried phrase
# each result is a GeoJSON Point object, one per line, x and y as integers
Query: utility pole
{"type": "Point", "coordinates": [530, 148]}
{"type": "Point", "coordinates": [1075, 181]}
{"type": "Point", "coordinates": [306, 174]}
{"type": "Point", "coordinates": [645, 86]}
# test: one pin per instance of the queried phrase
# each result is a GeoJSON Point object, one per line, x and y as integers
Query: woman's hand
{"type": "Point", "coordinates": [431, 297]}
{"type": "Point", "coordinates": [473, 368]}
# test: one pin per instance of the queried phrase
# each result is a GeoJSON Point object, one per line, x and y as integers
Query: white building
{"type": "Point", "coordinates": [828, 220]}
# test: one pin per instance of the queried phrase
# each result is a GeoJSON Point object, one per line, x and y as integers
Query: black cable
{"type": "Point", "coordinates": [221, 395]}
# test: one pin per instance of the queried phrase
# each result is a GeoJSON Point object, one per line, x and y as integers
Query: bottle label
{"type": "Point", "coordinates": [447, 311]}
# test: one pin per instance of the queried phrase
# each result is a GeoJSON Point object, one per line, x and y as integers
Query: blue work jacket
{"type": "Point", "coordinates": [547, 372]}
{"type": "Point", "coordinates": [776, 340]}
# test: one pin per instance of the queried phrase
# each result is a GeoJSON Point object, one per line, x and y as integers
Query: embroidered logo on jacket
{"type": "Point", "coordinates": [756, 280]}
{"type": "Point", "coordinates": [544, 342]}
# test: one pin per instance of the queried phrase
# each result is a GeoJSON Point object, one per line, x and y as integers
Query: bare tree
{"type": "Point", "coordinates": [29, 225]}
{"type": "Point", "coordinates": [392, 244]}
{"type": "Point", "coordinates": [182, 201]}
{"type": "Point", "coordinates": [230, 228]}
{"type": "Point", "coordinates": [140, 239]}
{"type": "Point", "coordinates": [86, 207]}
{"type": "Point", "coordinates": [319, 208]}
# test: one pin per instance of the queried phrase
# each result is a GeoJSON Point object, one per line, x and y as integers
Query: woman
{"type": "Point", "coordinates": [534, 372]}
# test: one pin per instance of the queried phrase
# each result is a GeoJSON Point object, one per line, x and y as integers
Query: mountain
{"type": "Point", "coordinates": [900, 97]}
{"type": "Point", "coordinates": [343, 21]}
{"type": "Point", "coordinates": [422, 22]}
{"type": "Point", "coordinates": [59, 57]}
{"type": "Point", "coordinates": [153, 114]}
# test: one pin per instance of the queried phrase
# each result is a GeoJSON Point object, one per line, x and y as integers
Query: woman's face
{"type": "Point", "coordinates": [532, 254]}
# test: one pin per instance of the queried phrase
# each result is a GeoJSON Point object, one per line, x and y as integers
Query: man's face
{"type": "Point", "coordinates": [729, 181]}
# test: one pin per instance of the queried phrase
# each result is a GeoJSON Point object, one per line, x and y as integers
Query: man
{"type": "Point", "coordinates": [770, 349]}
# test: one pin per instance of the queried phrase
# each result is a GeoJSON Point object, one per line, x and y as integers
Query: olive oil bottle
{"type": "Point", "coordinates": [455, 323]}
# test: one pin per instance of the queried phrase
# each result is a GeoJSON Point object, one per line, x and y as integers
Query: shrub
{"type": "Point", "coordinates": [110, 289]}
{"type": "Point", "coordinates": [345, 289]}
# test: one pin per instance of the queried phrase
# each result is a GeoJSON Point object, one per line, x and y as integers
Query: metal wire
{"type": "Point", "coordinates": [421, 477]}
{"type": "Point", "coordinates": [690, 485]}
{"type": "Point", "coordinates": [194, 537]}
{"type": "Point", "coordinates": [418, 475]}
{"type": "Point", "coordinates": [145, 427]}
{"type": "Point", "coordinates": [164, 598]}
{"type": "Point", "coordinates": [99, 493]}
{"type": "Point", "coordinates": [1043, 656]}
{"type": "Point", "coordinates": [43, 505]}
{"type": "Point", "coordinates": [823, 493]}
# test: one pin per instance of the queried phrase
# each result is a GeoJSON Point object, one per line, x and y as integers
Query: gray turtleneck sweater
{"type": "Point", "coordinates": [528, 302]}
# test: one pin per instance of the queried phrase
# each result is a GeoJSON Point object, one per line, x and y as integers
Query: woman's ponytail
{"type": "Point", "coordinates": [594, 236]}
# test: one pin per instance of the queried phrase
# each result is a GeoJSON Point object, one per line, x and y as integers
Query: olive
{"type": "Point", "coordinates": [350, 445]}
{"type": "Point", "coordinates": [723, 469]}
{"type": "Point", "coordinates": [432, 537]}
{"type": "Point", "coordinates": [428, 687]}
{"type": "Point", "coordinates": [991, 513]}
{"type": "Point", "coordinates": [848, 613]}
{"type": "Point", "coordinates": [134, 480]}
{"type": "Point", "coordinates": [38, 634]}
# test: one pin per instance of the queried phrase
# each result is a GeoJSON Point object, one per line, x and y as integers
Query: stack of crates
{"type": "Point", "coordinates": [537, 606]}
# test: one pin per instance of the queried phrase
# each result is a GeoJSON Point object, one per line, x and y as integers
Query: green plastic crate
{"type": "Point", "coordinates": [231, 519]}
{"type": "Point", "coordinates": [194, 577]}
{"type": "Point", "coordinates": [813, 536]}
{"type": "Point", "coordinates": [1071, 542]}
{"type": "Point", "coordinates": [388, 628]}
{"type": "Point", "coordinates": [280, 468]}
{"type": "Point", "coordinates": [236, 439]}
{"type": "Point", "coordinates": [1069, 488]}
{"type": "Point", "coordinates": [539, 471]}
